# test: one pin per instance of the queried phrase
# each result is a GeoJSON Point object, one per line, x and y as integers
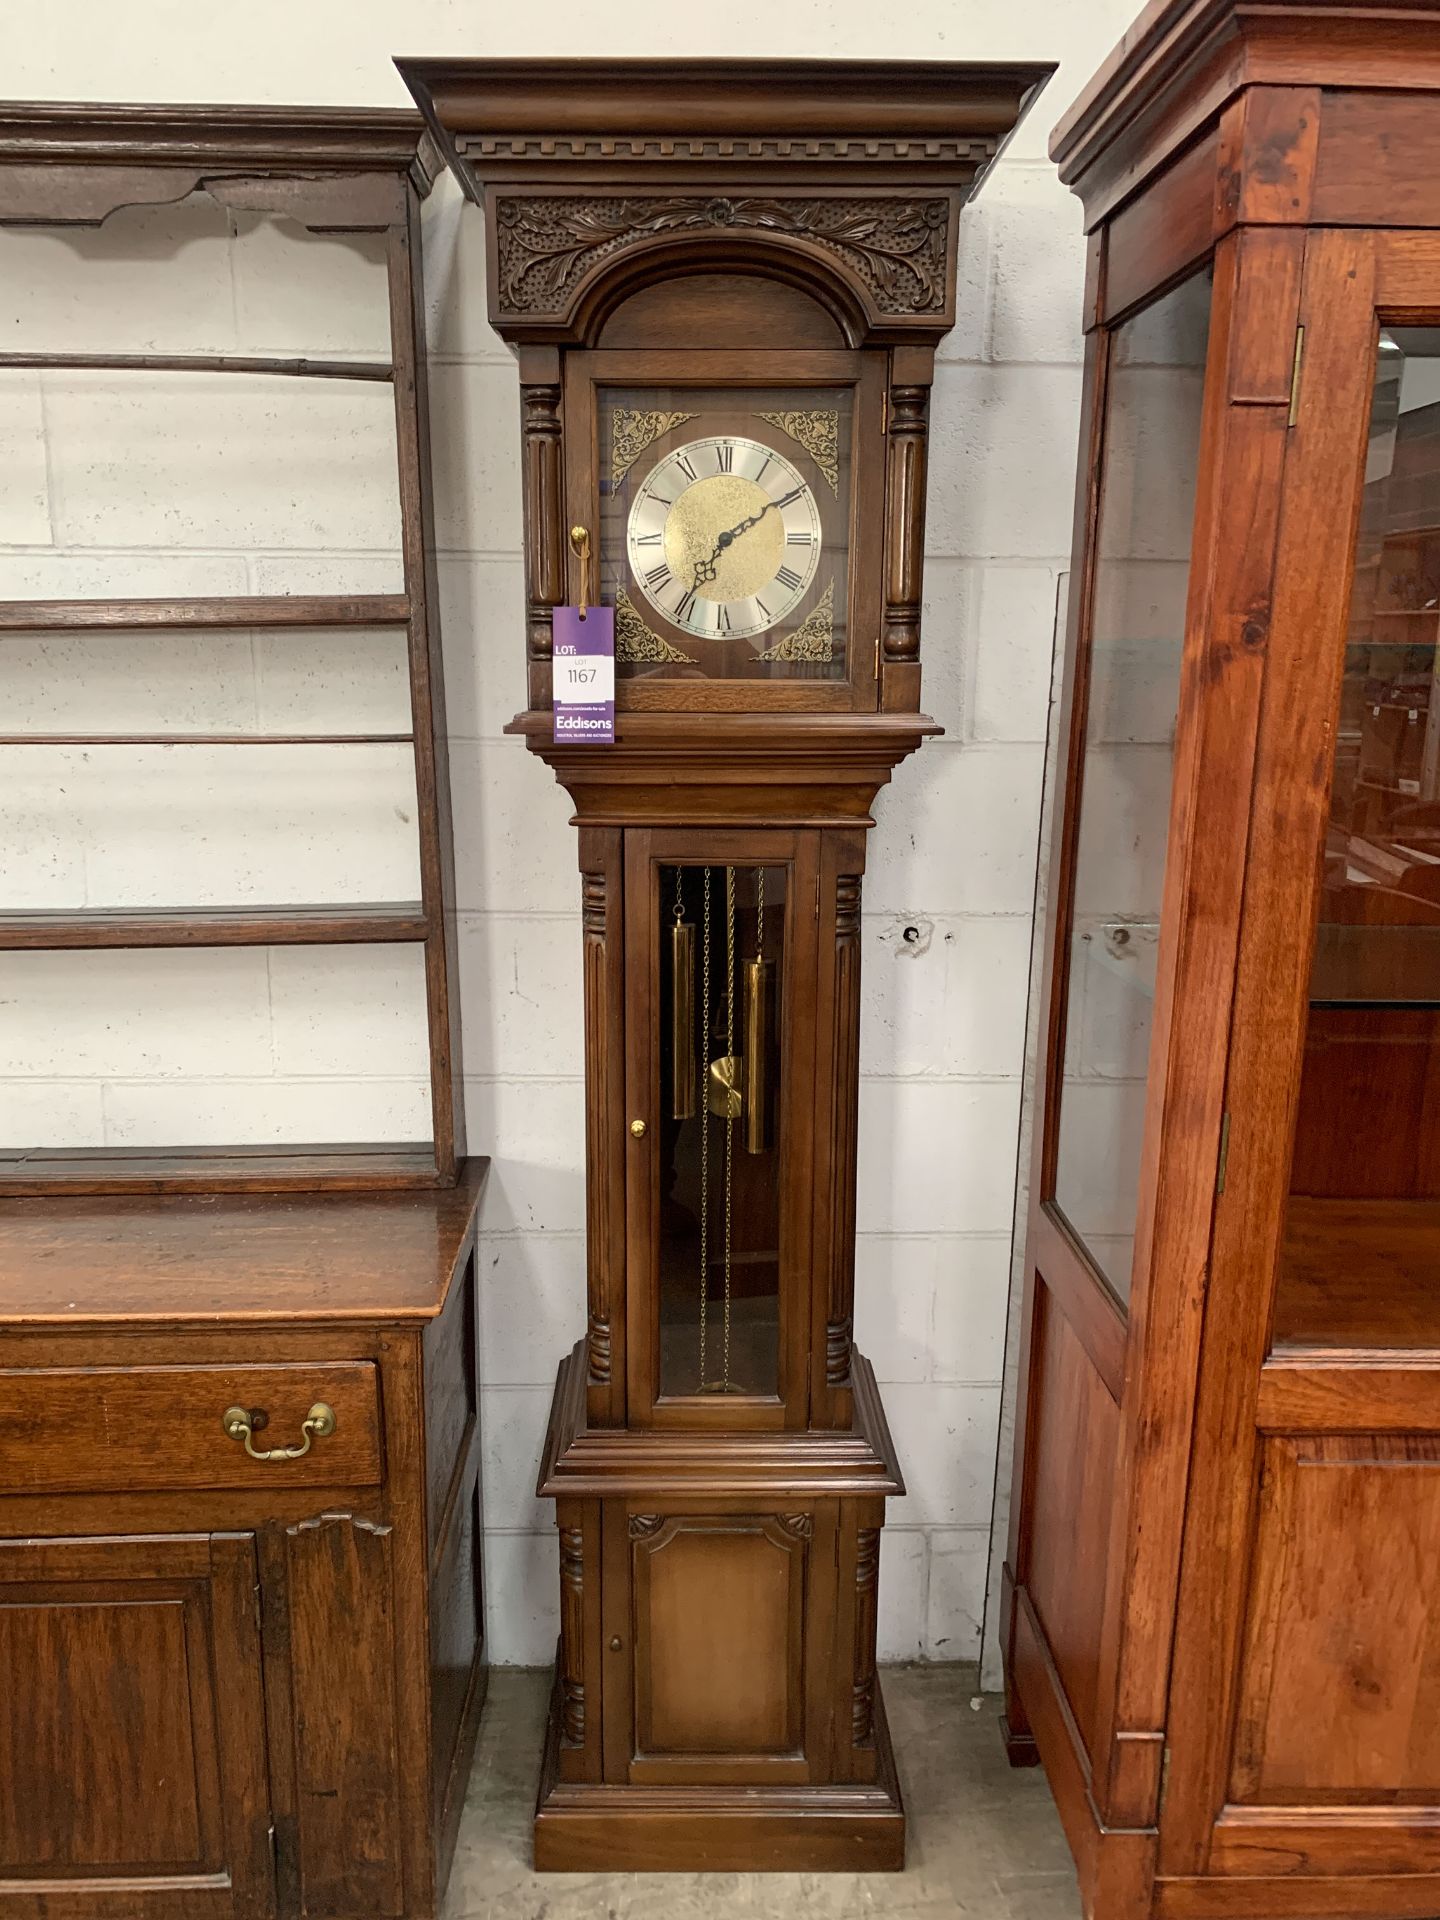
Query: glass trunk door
{"type": "Point", "coordinates": [719, 948]}
{"type": "Point", "coordinates": [1360, 1255]}
{"type": "Point", "coordinates": [1121, 799]}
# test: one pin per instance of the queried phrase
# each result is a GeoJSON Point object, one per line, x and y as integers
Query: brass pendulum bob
{"type": "Point", "coordinates": [727, 1098]}
{"type": "Point", "coordinates": [755, 1026]}
{"type": "Point", "coordinates": [682, 1013]}
{"type": "Point", "coordinates": [726, 1087]}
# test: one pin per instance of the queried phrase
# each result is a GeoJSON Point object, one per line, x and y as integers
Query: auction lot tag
{"type": "Point", "coordinates": [584, 674]}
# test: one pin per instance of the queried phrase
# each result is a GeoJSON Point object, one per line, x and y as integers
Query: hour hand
{"type": "Point", "coordinates": [705, 569]}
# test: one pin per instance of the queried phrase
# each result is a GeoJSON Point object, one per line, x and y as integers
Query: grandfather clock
{"type": "Point", "coordinates": [724, 282]}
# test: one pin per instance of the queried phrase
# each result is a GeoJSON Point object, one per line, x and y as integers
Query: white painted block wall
{"type": "Point", "coordinates": [953, 857]}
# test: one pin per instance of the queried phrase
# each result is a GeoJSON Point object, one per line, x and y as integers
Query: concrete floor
{"type": "Point", "coordinates": [983, 1840]}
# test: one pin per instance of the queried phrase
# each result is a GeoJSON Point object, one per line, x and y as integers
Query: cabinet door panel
{"type": "Point", "coordinates": [344, 1821]}
{"type": "Point", "coordinates": [727, 1615]}
{"type": "Point", "coordinates": [133, 1784]}
{"type": "Point", "coordinates": [1340, 1683]}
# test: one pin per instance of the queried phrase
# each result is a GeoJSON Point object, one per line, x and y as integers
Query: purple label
{"type": "Point", "coordinates": [583, 674]}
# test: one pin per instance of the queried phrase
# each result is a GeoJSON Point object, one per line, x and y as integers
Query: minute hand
{"type": "Point", "coordinates": [705, 569]}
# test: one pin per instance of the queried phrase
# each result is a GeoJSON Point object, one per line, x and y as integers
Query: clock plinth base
{"type": "Point", "coordinates": [583, 1827]}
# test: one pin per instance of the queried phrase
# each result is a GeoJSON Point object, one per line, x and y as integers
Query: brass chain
{"type": "Point", "coordinates": [704, 1125]}
{"type": "Point", "coordinates": [729, 1117]}
{"type": "Point", "coordinates": [760, 913]}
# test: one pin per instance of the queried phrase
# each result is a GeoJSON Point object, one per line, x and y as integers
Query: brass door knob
{"type": "Point", "coordinates": [637, 1127]}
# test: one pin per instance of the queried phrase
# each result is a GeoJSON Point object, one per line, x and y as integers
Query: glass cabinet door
{"type": "Point", "coordinates": [1360, 1263]}
{"type": "Point", "coordinates": [1129, 688]}
{"type": "Point", "coordinates": [717, 1279]}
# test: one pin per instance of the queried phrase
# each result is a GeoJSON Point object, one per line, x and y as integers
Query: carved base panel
{"type": "Point", "coordinates": [717, 1645]}
{"type": "Point", "coordinates": [590, 1827]}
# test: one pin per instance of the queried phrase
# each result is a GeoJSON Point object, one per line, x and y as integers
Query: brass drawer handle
{"type": "Point", "coordinates": [318, 1424]}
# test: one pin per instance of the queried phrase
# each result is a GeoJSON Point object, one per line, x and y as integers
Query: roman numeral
{"type": "Point", "coordinates": [654, 539]}
{"type": "Point", "coordinates": [725, 457]}
{"type": "Point", "coordinates": [790, 498]}
{"type": "Point", "coordinates": [685, 466]}
{"type": "Point", "coordinates": [761, 475]}
{"type": "Point", "coordinates": [660, 499]}
{"type": "Point", "coordinates": [788, 578]}
{"type": "Point", "coordinates": [791, 539]}
{"type": "Point", "coordinates": [686, 606]}
{"type": "Point", "coordinates": [722, 618]}
{"type": "Point", "coordinates": [762, 606]}
{"type": "Point", "coordinates": [657, 576]}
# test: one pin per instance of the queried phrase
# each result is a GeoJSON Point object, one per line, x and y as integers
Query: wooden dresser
{"type": "Point", "coordinates": [235, 1684]}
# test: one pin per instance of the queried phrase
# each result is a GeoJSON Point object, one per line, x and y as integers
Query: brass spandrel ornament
{"type": "Point", "coordinates": [636, 641]}
{"type": "Point", "coordinates": [817, 430]}
{"type": "Point", "coordinates": [631, 432]}
{"type": "Point", "coordinates": [813, 640]}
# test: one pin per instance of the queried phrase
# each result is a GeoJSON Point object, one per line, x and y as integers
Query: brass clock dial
{"type": "Point", "coordinates": [724, 537]}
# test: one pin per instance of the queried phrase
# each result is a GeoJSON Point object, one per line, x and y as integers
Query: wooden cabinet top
{"type": "Point", "coordinates": [212, 1258]}
{"type": "Point", "coordinates": [1183, 62]}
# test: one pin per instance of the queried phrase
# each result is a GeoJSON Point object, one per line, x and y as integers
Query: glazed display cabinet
{"type": "Point", "coordinates": [725, 282]}
{"type": "Point", "coordinates": [1223, 1636]}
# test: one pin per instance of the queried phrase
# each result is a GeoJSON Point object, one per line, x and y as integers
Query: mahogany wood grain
{"type": "Point", "coordinates": [346, 1772]}
{"type": "Point", "coordinates": [1077, 1289]}
{"type": "Point", "coordinates": [1346, 1556]}
{"type": "Point", "coordinates": [142, 1799]}
{"type": "Point", "coordinates": [79, 1429]}
{"type": "Point", "coordinates": [602, 887]}
{"type": "Point", "coordinates": [275, 610]}
{"type": "Point", "coordinates": [1358, 1274]}
{"type": "Point", "coordinates": [82, 1262]}
{"type": "Point", "coordinates": [427, 682]}
{"type": "Point", "coordinates": [1052, 893]}
{"type": "Point", "coordinates": [1073, 1438]}
{"type": "Point", "coordinates": [1413, 1896]}
{"type": "Point", "coordinates": [839, 1828]}
{"type": "Point", "coordinates": [377, 1168]}
{"type": "Point", "coordinates": [451, 1351]}
{"type": "Point", "coordinates": [1317, 1840]}
{"type": "Point", "coordinates": [1255, 301]}
{"type": "Point", "coordinates": [714, 310]}
{"type": "Point", "coordinates": [1349, 1392]}
{"type": "Point", "coordinates": [1323, 471]}
{"type": "Point", "coordinates": [1164, 231]}
{"type": "Point", "coordinates": [220, 926]}
{"type": "Point", "coordinates": [203, 739]}
{"type": "Point", "coordinates": [200, 363]}
{"type": "Point", "coordinates": [720, 1634]}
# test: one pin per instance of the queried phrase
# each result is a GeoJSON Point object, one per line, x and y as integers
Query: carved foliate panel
{"type": "Point", "coordinates": [892, 249]}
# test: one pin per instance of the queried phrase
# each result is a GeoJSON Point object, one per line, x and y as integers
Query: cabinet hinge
{"type": "Point", "coordinates": [1295, 376]}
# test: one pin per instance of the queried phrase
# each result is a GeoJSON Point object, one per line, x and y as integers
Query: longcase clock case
{"type": "Point", "coordinates": [1222, 1622]}
{"type": "Point", "coordinates": [724, 284]}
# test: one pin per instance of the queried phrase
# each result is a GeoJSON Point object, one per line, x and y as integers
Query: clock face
{"type": "Point", "coordinates": [723, 537]}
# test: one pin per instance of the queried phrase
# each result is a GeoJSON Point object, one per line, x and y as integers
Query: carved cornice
{"type": "Point", "coordinates": [670, 148]}
{"type": "Point", "coordinates": [548, 245]}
